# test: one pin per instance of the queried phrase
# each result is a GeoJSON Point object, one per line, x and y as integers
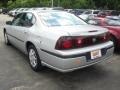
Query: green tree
{"type": "Point", "coordinates": [99, 4]}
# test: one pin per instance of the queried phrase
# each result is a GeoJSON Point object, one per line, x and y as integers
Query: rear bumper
{"type": "Point", "coordinates": [72, 62]}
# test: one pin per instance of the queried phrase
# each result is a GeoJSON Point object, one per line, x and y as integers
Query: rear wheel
{"type": "Point", "coordinates": [7, 42]}
{"type": "Point", "coordinates": [34, 59]}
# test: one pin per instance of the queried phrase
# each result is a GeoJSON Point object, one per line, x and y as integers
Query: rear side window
{"type": "Point", "coordinates": [30, 18]}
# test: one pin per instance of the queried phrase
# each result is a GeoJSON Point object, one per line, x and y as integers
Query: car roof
{"type": "Point", "coordinates": [42, 11]}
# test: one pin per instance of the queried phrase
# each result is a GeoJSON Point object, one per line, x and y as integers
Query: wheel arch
{"type": "Point", "coordinates": [114, 36]}
{"type": "Point", "coordinates": [4, 30]}
{"type": "Point", "coordinates": [28, 43]}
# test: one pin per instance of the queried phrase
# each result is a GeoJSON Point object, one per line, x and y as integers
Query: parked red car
{"type": "Point", "coordinates": [113, 25]}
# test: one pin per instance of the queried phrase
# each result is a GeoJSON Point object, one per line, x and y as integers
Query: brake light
{"type": "Point", "coordinates": [105, 37]}
{"type": "Point", "coordinates": [64, 43]}
{"type": "Point", "coordinates": [69, 43]}
{"type": "Point", "coordinates": [79, 41]}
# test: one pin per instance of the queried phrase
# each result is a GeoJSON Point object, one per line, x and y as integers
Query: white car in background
{"type": "Point", "coordinates": [89, 14]}
{"type": "Point", "coordinates": [20, 10]}
{"type": "Point", "coordinates": [58, 40]}
{"type": "Point", "coordinates": [12, 12]}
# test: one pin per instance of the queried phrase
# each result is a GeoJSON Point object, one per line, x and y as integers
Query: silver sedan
{"type": "Point", "coordinates": [58, 39]}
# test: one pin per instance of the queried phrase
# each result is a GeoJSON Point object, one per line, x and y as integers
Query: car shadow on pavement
{"type": "Point", "coordinates": [70, 80]}
{"type": "Point", "coordinates": [67, 80]}
{"type": "Point", "coordinates": [117, 51]}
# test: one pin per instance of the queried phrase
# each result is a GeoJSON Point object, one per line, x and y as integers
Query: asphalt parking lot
{"type": "Point", "coordinates": [15, 73]}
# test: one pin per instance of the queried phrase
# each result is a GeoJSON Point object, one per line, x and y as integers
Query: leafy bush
{"type": "Point", "coordinates": [100, 4]}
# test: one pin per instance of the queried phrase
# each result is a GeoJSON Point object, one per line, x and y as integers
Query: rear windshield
{"type": "Point", "coordinates": [60, 19]}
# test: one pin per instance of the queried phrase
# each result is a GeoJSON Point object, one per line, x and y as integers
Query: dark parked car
{"type": "Point", "coordinates": [5, 10]}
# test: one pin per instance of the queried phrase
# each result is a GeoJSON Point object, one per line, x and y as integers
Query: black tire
{"type": "Point", "coordinates": [7, 42]}
{"type": "Point", "coordinates": [114, 40]}
{"type": "Point", "coordinates": [38, 66]}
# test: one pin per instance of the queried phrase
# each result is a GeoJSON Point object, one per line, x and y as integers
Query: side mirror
{"type": "Point", "coordinates": [9, 22]}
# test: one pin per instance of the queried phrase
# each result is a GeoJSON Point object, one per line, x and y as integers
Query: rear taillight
{"type": "Point", "coordinates": [71, 42]}
{"type": "Point", "coordinates": [64, 43]}
{"type": "Point", "coordinates": [78, 42]}
{"type": "Point", "coordinates": [105, 37]}
{"type": "Point", "coordinates": [67, 42]}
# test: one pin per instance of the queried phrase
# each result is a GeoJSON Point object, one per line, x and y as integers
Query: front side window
{"type": "Point", "coordinates": [60, 19]}
{"type": "Point", "coordinates": [16, 20]}
{"type": "Point", "coordinates": [24, 20]}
